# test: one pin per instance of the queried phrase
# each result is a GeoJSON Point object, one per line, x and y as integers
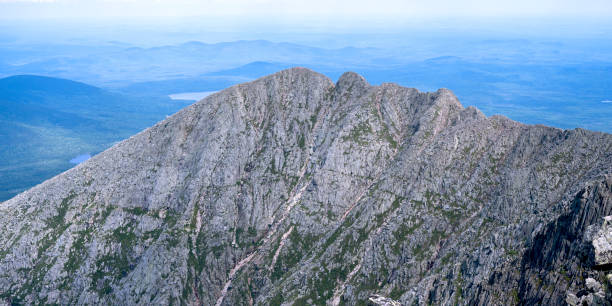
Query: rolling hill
{"type": "Point", "coordinates": [45, 122]}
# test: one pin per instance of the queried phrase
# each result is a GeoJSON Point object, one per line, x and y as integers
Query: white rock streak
{"type": "Point", "coordinates": [292, 202]}
{"type": "Point", "coordinates": [340, 289]}
{"type": "Point", "coordinates": [280, 247]}
{"type": "Point", "coordinates": [231, 277]}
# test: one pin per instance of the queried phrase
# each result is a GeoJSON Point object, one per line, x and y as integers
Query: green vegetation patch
{"type": "Point", "coordinates": [138, 211]}
{"type": "Point", "coordinates": [300, 246]}
{"type": "Point", "coordinates": [245, 238]}
{"type": "Point", "coordinates": [359, 132]}
{"type": "Point", "coordinates": [113, 267]}
{"type": "Point", "coordinates": [453, 217]}
{"type": "Point", "coordinates": [78, 251]}
{"type": "Point", "coordinates": [402, 233]}
{"type": "Point", "coordinates": [420, 251]}
{"type": "Point", "coordinates": [321, 287]}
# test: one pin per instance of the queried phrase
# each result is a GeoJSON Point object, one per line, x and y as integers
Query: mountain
{"type": "Point", "coordinates": [45, 122]}
{"type": "Point", "coordinates": [292, 189]}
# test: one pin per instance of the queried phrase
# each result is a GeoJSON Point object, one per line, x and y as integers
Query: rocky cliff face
{"type": "Point", "coordinates": [294, 190]}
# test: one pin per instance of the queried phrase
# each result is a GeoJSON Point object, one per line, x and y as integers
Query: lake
{"type": "Point", "coordinates": [79, 159]}
{"type": "Point", "coordinates": [191, 96]}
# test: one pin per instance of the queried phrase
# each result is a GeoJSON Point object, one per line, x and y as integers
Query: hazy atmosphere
{"type": "Point", "coordinates": [316, 9]}
{"type": "Point", "coordinates": [307, 152]}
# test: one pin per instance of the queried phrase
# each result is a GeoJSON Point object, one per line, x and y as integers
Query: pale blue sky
{"type": "Point", "coordinates": [389, 10]}
{"type": "Point", "coordinates": [154, 22]}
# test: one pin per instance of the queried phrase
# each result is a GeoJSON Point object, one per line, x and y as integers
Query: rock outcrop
{"type": "Point", "coordinates": [294, 190]}
{"type": "Point", "coordinates": [602, 244]}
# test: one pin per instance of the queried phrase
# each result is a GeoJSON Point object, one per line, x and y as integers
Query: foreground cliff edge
{"type": "Point", "coordinates": [292, 189]}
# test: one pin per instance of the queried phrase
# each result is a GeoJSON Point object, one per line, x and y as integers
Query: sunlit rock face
{"type": "Point", "coordinates": [293, 189]}
{"type": "Point", "coordinates": [603, 243]}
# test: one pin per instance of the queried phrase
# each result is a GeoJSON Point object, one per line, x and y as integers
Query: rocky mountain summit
{"type": "Point", "coordinates": [294, 190]}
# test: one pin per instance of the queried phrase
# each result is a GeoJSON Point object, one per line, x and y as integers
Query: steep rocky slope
{"type": "Point", "coordinates": [291, 189]}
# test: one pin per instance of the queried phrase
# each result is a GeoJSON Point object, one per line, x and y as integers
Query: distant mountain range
{"type": "Point", "coordinates": [117, 65]}
{"type": "Point", "coordinates": [45, 122]}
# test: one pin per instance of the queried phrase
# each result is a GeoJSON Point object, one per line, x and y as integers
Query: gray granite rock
{"type": "Point", "coordinates": [383, 301]}
{"type": "Point", "coordinates": [293, 190]}
{"type": "Point", "coordinates": [603, 243]}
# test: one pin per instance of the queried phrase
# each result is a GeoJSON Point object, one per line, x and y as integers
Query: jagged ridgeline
{"type": "Point", "coordinates": [294, 190]}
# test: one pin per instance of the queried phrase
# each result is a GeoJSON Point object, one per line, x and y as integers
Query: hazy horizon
{"type": "Point", "coordinates": [315, 22]}
{"type": "Point", "coordinates": [387, 10]}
